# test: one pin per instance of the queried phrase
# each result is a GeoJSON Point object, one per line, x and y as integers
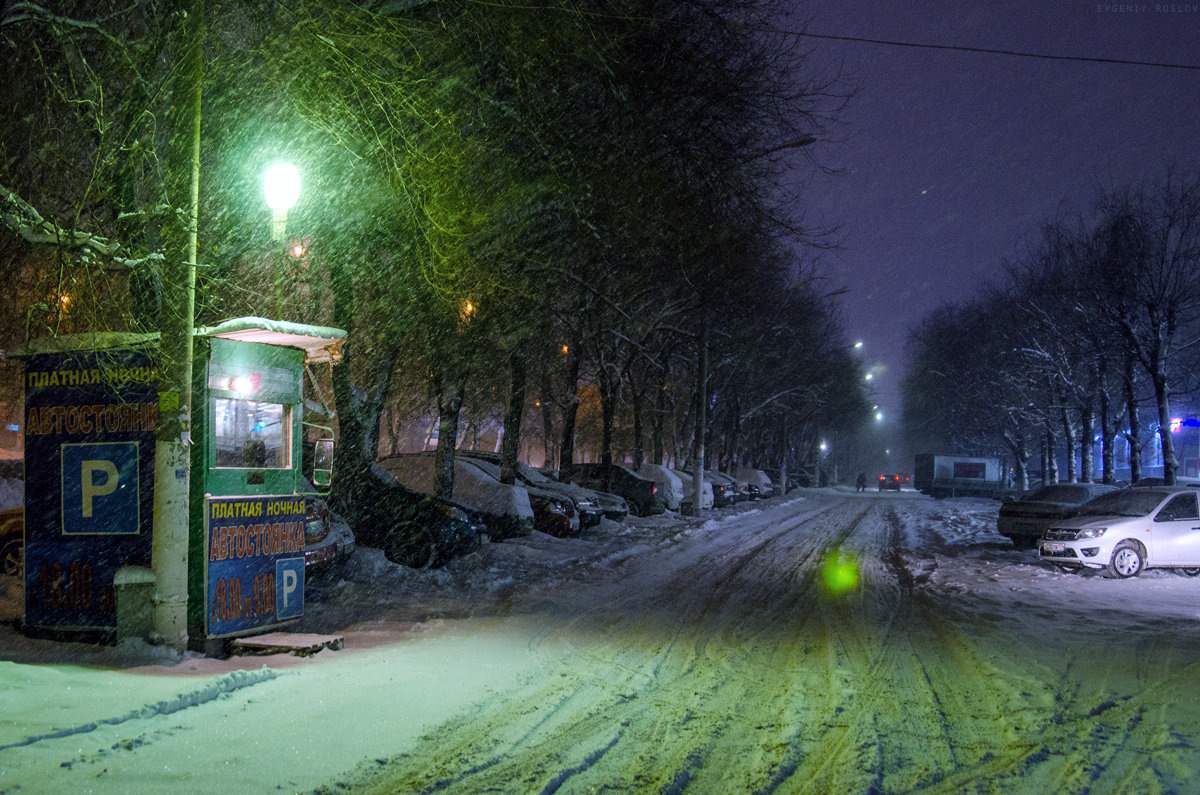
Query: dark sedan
{"type": "Point", "coordinates": [1025, 519]}
{"type": "Point", "coordinates": [641, 493]}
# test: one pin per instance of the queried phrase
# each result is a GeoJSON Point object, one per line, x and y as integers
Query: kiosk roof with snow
{"type": "Point", "coordinates": [319, 343]}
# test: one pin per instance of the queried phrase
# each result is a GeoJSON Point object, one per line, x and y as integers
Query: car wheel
{"type": "Point", "coordinates": [1127, 561]}
{"type": "Point", "coordinates": [417, 551]}
{"type": "Point", "coordinates": [12, 557]}
{"type": "Point", "coordinates": [1191, 572]}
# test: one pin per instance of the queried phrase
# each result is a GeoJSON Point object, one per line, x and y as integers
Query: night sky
{"type": "Point", "coordinates": [951, 160]}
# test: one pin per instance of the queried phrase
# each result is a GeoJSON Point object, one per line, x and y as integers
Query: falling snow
{"type": "Point", "coordinates": [662, 654]}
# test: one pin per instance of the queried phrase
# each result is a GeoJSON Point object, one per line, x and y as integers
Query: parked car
{"type": "Point", "coordinates": [586, 503]}
{"type": "Point", "coordinates": [759, 482]}
{"type": "Point", "coordinates": [724, 488]}
{"type": "Point", "coordinates": [707, 498]}
{"type": "Point", "coordinates": [889, 481]}
{"type": "Point", "coordinates": [670, 487]}
{"type": "Point", "coordinates": [1125, 531]}
{"type": "Point", "coordinates": [12, 541]}
{"type": "Point", "coordinates": [416, 529]}
{"type": "Point", "coordinates": [328, 539]}
{"type": "Point", "coordinates": [641, 493]}
{"type": "Point", "coordinates": [504, 508]}
{"type": "Point", "coordinates": [614, 506]}
{"type": "Point", "coordinates": [1026, 518]}
{"type": "Point", "coordinates": [553, 513]}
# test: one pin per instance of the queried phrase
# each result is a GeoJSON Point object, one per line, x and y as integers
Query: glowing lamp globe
{"type": "Point", "coordinates": [281, 184]}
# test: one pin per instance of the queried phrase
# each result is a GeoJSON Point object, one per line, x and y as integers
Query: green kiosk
{"type": "Point", "coordinates": [91, 411]}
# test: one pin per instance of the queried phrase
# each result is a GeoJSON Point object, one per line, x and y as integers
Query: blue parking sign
{"type": "Point", "coordinates": [100, 489]}
{"type": "Point", "coordinates": [289, 588]}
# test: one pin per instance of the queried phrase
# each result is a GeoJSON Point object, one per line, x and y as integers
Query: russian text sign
{"type": "Point", "coordinates": [254, 562]}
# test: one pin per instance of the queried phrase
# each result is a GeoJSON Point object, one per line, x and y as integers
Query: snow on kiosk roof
{"type": "Point", "coordinates": [319, 343]}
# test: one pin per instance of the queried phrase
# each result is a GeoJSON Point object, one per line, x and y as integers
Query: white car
{"type": "Point", "coordinates": [1125, 531]}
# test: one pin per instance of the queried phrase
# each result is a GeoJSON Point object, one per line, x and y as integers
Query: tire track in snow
{"type": "Point", "coordinates": [210, 691]}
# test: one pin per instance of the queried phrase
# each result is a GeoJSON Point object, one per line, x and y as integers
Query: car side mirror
{"type": "Point", "coordinates": [322, 466]}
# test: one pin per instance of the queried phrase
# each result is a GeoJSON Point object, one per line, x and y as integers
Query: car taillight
{"type": "Point", "coordinates": [654, 488]}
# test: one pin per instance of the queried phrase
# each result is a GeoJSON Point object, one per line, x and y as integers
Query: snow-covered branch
{"type": "Point", "coordinates": [27, 223]}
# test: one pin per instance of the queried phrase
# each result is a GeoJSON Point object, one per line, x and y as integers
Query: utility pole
{"type": "Point", "coordinates": [172, 449]}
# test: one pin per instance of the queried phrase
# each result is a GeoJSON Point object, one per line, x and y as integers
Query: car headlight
{"type": "Point", "coordinates": [1091, 532]}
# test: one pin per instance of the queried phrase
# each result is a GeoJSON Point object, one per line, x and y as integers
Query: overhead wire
{"type": "Point", "coordinates": [995, 51]}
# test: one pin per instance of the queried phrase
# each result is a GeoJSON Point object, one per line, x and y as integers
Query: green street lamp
{"type": "Point", "coordinates": [281, 184]}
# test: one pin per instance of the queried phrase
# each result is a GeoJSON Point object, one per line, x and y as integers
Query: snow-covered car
{"type": "Point", "coordinates": [553, 513]}
{"type": "Point", "coordinates": [1026, 518]}
{"type": "Point", "coordinates": [640, 493]}
{"type": "Point", "coordinates": [706, 492]}
{"type": "Point", "coordinates": [504, 508]}
{"type": "Point", "coordinates": [759, 482]}
{"type": "Point", "coordinates": [415, 529]}
{"type": "Point", "coordinates": [585, 502]}
{"type": "Point", "coordinates": [1125, 531]}
{"type": "Point", "coordinates": [670, 487]}
{"type": "Point", "coordinates": [12, 540]}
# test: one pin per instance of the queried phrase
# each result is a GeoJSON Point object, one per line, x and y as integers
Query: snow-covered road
{"type": "Point", "coordinates": [836, 643]}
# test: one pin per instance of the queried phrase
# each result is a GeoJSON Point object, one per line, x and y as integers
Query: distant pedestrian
{"type": "Point", "coordinates": [861, 483]}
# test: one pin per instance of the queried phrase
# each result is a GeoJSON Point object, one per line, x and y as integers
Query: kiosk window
{"type": "Point", "coordinates": [251, 434]}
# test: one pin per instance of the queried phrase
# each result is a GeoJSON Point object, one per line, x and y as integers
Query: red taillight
{"type": "Point", "coordinates": [654, 488]}
{"type": "Point", "coordinates": [882, 478]}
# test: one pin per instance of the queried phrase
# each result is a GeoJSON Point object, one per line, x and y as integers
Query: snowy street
{"type": "Point", "coordinates": [823, 642]}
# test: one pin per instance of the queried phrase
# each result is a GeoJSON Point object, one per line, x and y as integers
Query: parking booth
{"type": "Point", "coordinates": [91, 408]}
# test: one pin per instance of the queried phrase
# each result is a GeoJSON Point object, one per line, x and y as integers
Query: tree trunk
{"type": "Point", "coordinates": [549, 446]}
{"type": "Point", "coordinates": [566, 450]}
{"type": "Point", "coordinates": [638, 431]}
{"type": "Point", "coordinates": [511, 444]}
{"type": "Point", "coordinates": [1108, 430]}
{"type": "Point", "coordinates": [656, 426]}
{"type": "Point", "coordinates": [1069, 435]}
{"type": "Point", "coordinates": [1050, 472]}
{"type": "Point", "coordinates": [1162, 399]}
{"type": "Point", "coordinates": [1087, 444]}
{"type": "Point", "coordinates": [1016, 443]}
{"type": "Point", "coordinates": [449, 399]}
{"type": "Point", "coordinates": [1135, 423]}
{"type": "Point", "coordinates": [608, 409]}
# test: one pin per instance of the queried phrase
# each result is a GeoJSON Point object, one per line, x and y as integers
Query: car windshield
{"type": "Point", "coordinates": [1127, 502]}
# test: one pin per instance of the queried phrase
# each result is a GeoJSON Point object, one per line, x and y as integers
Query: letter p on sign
{"type": "Point", "coordinates": [90, 488]}
{"type": "Point", "coordinates": [100, 488]}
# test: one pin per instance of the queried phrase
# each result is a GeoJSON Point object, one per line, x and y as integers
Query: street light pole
{"type": "Point", "coordinates": [172, 445]}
